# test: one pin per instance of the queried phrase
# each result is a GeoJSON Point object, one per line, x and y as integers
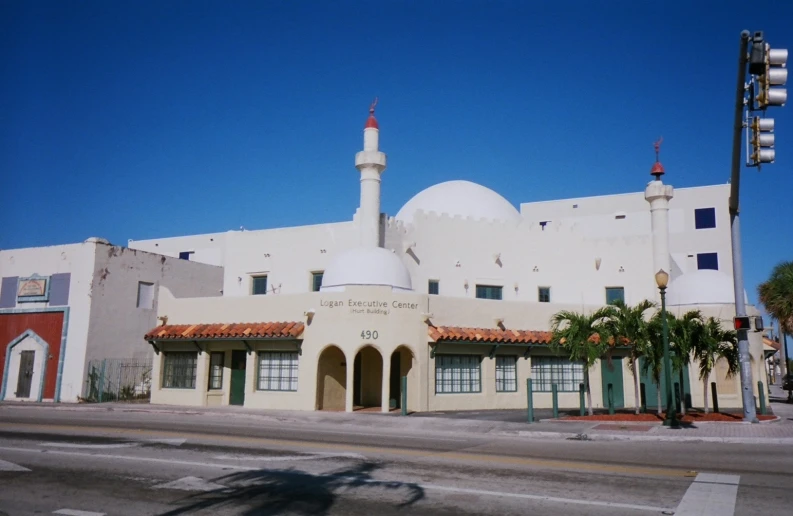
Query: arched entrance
{"type": "Point", "coordinates": [331, 379]}
{"type": "Point", "coordinates": [368, 378]}
{"type": "Point", "coordinates": [401, 365]}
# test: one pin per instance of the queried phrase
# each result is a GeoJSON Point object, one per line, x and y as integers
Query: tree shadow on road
{"type": "Point", "coordinates": [290, 491]}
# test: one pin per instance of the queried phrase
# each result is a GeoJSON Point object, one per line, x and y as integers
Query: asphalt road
{"type": "Point", "coordinates": [87, 464]}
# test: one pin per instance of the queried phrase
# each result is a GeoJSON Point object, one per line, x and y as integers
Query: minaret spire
{"type": "Point", "coordinates": [371, 163]}
{"type": "Point", "coordinates": [658, 169]}
{"type": "Point", "coordinates": [658, 195]}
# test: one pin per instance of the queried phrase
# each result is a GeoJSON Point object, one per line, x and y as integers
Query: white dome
{"type": "Point", "coordinates": [702, 287]}
{"type": "Point", "coordinates": [462, 198]}
{"type": "Point", "coordinates": [366, 266]}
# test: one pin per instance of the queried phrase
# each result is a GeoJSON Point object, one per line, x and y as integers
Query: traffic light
{"type": "Point", "coordinates": [762, 140]}
{"type": "Point", "coordinates": [772, 72]}
{"type": "Point", "coordinates": [741, 323]}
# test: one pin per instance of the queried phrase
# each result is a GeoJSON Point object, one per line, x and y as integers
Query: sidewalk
{"type": "Point", "coordinates": [775, 432]}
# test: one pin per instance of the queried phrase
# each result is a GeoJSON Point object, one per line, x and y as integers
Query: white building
{"type": "Point", "coordinates": [454, 292]}
{"type": "Point", "coordinates": [64, 305]}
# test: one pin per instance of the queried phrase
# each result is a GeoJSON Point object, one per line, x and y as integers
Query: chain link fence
{"type": "Point", "coordinates": [117, 379]}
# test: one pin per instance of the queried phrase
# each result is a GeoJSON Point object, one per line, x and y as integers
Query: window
{"type": "Point", "coordinates": [488, 292]}
{"type": "Point", "coordinates": [457, 373]}
{"type": "Point", "coordinates": [433, 287]}
{"type": "Point", "coordinates": [179, 370]}
{"type": "Point", "coordinates": [705, 218]}
{"type": "Point", "coordinates": [145, 295]}
{"type": "Point", "coordinates": [506, 374]}
{"type": "Point", "coordinates": [615, 294]}
{"type": "Point", "coordinates": [277, 371]}
{"type": "Point", "coordinates": [546, 371]}
{"type": "Point", "coordinates": [708, 261]}
{"type": "Point", "coordinates": [185, 255]}
{"type": "Point", "coordinates": [258, 285]}
{"type": "Point", "coordinates": [316, 281]}
{"type": "Point", "coordinates": [544, 294]}
{"type": "Point", "coordinates": [216, 371]}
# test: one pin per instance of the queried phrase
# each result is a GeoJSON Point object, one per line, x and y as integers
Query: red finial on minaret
{"type": "Point", "coordinates": [658, 169]}
{"type": "Point", "coordinates": [371, 122]}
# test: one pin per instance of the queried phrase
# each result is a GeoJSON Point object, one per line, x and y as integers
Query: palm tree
{"type": "Point", "coordinates": [629, 324]}
{"type": "Point", "coordinates": [683, 333]}
{"type": "Point", "coordinates": [654, 354]}
{"type": "Point", "coordinates": [714, 343]}
{"type": "Point", "coordinates": [776, 294]}
{"type": "Point", "coordinates": [582, 338]}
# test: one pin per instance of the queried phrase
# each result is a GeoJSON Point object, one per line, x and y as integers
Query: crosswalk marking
{"type": "Point", "coordinates": [710, 494]}
{"type": "Point", "coordinates": [10, 466]}
{"type": "Point", "coordinates": [74, 512]}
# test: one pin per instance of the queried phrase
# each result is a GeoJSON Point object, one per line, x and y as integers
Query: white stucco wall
{"type": "Point", "coordinates": [117, 323]}
{"type": "Point", "coordinates": [561, 255]}
{"type": "Point", "coordinates": [78, 260]}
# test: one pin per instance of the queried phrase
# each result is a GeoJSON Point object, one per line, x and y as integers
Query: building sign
{"type": "Point", "coordinates": [32, 289]}
{"type": "Point", "coordinates": [368, 306]}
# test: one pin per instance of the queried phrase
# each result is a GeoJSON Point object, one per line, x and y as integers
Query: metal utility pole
{"type": "Point", "coordinates": [749, 407]}
{"type": "Point", "coordinates": [767, 65]}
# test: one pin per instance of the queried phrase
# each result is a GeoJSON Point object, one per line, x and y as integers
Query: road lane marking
{"type": "Point", "coordinates": [10, 466]}
{"type": "Point", "coordinates": [710, 494]}
{"type": "Point", "coordinates": [89, 446]}
{"type": "Point", "coordinates": [191, 484]}
{"type": "Point", "coordinates": [290, 458]}
{"type": "Point", "coordinates": [554, 499]}
{"type": "Point", "coordinates": [393, 451]}
{"type": "Point", "coordinates": [172, 442]}
{"type": "Point", "coordinates": [74, 512]}
{"type": "Point", "coordinates": [423, 486]}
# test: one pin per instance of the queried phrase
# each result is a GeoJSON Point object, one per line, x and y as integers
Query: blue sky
{"type": "Point", "coordinates": [151, 119]}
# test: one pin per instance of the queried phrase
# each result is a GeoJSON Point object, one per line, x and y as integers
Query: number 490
{"type": "Point", "coordinates": [369, 334]}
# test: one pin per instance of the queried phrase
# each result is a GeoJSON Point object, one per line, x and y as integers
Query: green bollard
{"type": "Point", "coordinates": [555, 401]}
{"type": "Point", "coordinates": [715, 396]}
{"type": "Point", "coordinates": [102, 381]}
{"type": "Point", "coordinates": [610, 388]}
{"type": "Point", "coordinates": [643, 398]}
{"type": "Point", "coordinates": [529, 396]}
{"type": "Point", "coordinates": [762, 397]}
{"type": "Point", "coordinates": [404, 401]}
{"type": "Point", "coordinates": [581, 403]}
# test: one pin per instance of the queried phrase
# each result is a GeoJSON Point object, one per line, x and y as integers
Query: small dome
{"type": "Point", "coordinates": [366, 266]}
{"type": "Point", "coordinates": [462, 198]}
{"type": "Point", "coordinates": [702, 287]}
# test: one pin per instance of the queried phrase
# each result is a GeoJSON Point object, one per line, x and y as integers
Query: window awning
{"type": "Point", "coordinates": [226, 331]}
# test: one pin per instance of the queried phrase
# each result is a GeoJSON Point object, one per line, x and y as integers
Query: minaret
{"type": "Point", "coordinates": [371, 163]}
{"type": "Point", "coordinates": [658, 195]}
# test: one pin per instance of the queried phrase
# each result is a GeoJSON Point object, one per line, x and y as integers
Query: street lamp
{"type": "Point", "coordinates": [662, 280]}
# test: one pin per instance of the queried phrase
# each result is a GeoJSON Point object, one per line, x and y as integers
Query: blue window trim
{"type": "Point", "coordinates": [614, 288]}
{"type": "Point", "coordinates": [703, 257]}
{"type": "Point", "coordinates": [34, 299]}
{"type": "Point", "coordinates": [64, 332]}
{"type": "Point", "coordinates": [703, 211]}
{"type": "Point", "coordinates": [490, 289]}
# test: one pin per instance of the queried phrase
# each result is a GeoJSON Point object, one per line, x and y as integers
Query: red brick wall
{"type": "Point", "coordinates": [48, 326]}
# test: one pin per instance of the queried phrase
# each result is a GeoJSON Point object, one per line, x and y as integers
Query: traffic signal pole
{"type": "Point", "coordinates": [749, 408]}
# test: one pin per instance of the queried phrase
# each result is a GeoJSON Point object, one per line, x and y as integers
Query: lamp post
{"type": "Point", "coordinates": [662, 279]}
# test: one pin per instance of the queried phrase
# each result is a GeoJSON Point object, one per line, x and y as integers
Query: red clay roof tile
{"type": "Point", "coordinates": [494, 335]}
{"type": "Point", "coordinates": [268, 330]}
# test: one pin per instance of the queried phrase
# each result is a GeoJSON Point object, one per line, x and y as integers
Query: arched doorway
{"type": "Point", "coordinates": [331, 379]}
{"type": "Point", "coordinates": [368, 378]}
{"type": "Point", "coordinates": [401, 365]}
